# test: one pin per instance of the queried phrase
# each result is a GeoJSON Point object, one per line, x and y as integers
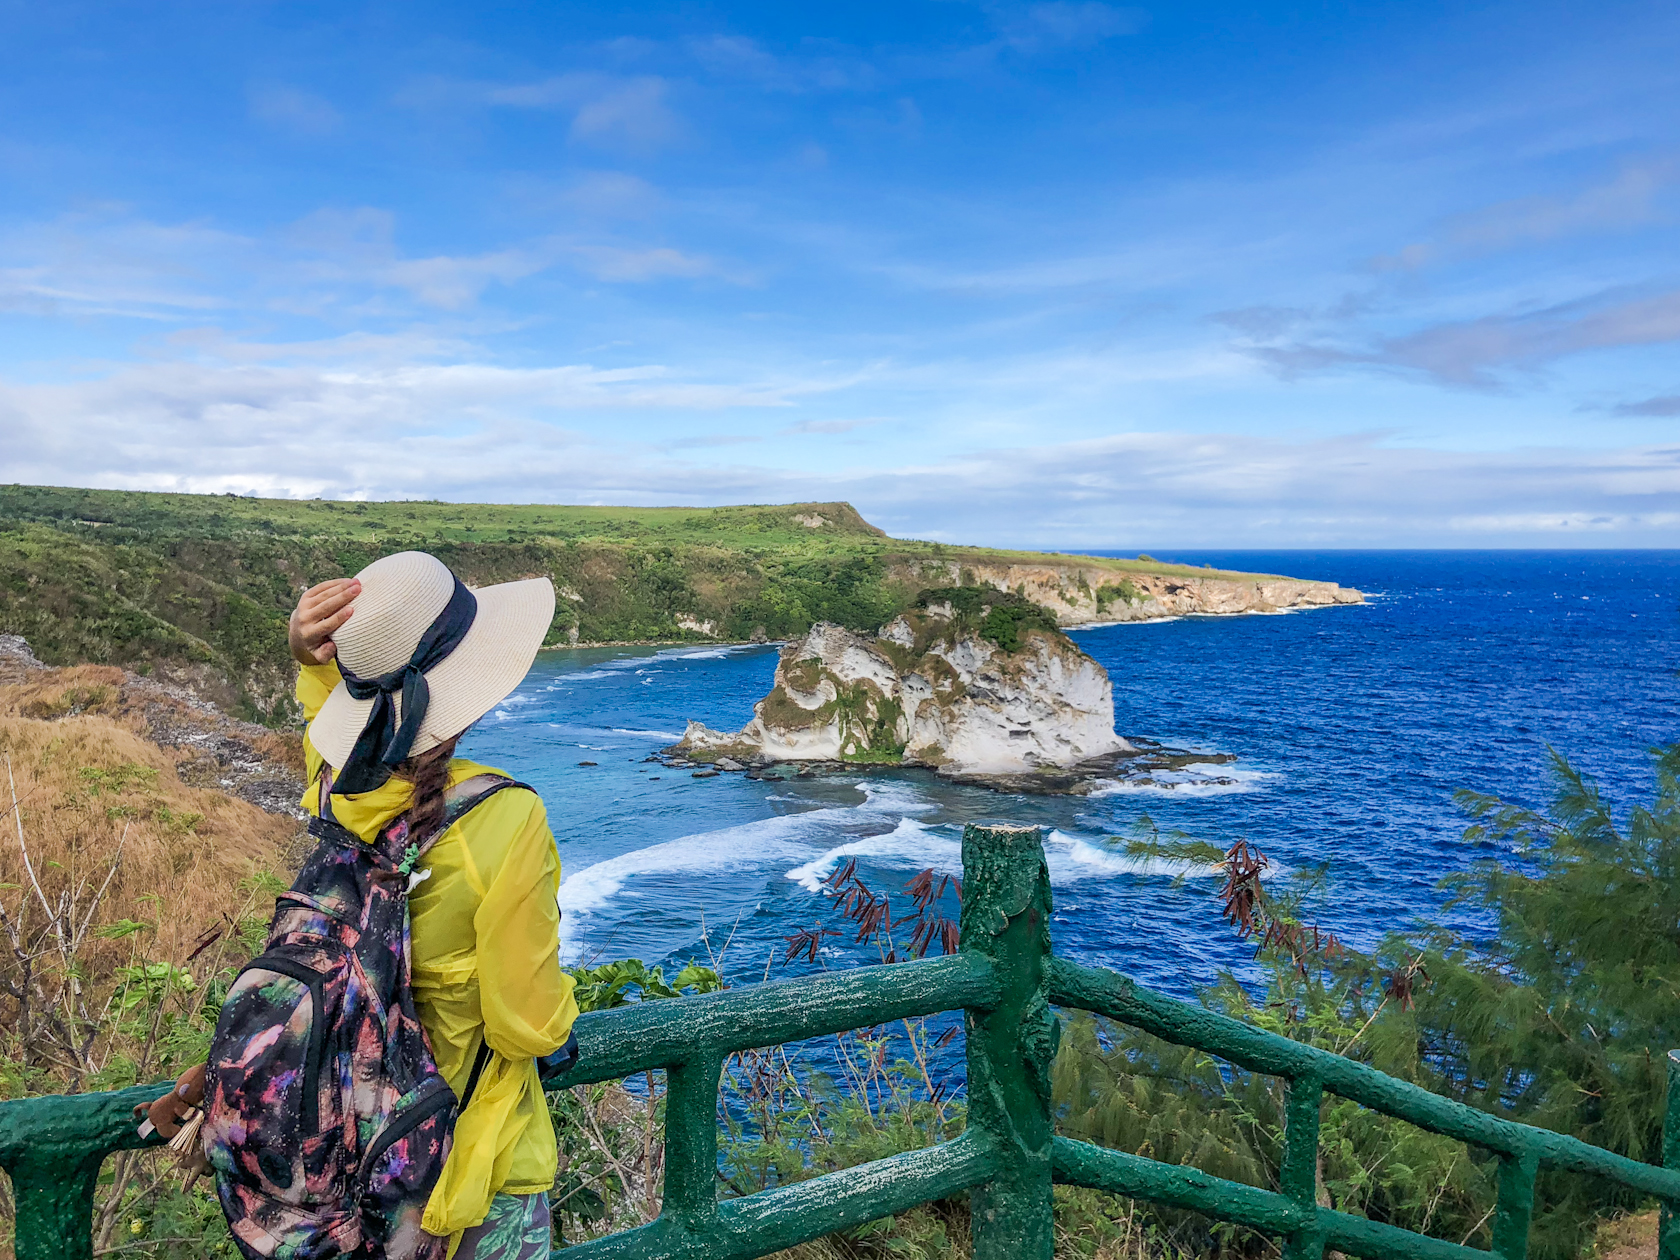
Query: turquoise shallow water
{"type": "Point", "coordinates": [1352, 726]}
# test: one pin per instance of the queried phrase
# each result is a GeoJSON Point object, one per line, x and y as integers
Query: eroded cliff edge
{"type": "Point", "coordinates": [977, 684]}
{"type": "Point", "coordinates": [1083, 594]}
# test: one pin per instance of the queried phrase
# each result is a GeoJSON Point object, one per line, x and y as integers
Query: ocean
{"type": "Point", "coordinates": [1351, 727]}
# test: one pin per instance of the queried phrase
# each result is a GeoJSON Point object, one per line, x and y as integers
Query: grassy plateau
{"type": "Point", "coordinates": [199, 586]}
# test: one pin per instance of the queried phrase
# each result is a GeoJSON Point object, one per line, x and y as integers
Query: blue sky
{"type": "Point", "coordinates": [1061, 274]}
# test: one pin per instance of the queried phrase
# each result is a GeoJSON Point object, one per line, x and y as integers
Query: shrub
{"type": "Point", "coordinates": [999, 617]}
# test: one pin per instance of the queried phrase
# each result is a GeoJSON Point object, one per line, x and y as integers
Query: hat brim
{"type": "Point", "coordinates": [490, 661]}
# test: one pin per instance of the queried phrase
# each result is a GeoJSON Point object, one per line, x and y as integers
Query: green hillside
{"type": "Point", "coordinates": [202, 584]}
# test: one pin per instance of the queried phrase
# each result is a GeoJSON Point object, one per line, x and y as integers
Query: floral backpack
{"type": "Point", "coordinates": [327, 1122]}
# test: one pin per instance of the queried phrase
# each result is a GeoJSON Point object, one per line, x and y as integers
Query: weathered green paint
{"type": "Point", "coordinates": [1514, 1210]}
{"type": "Point", "coordinates": [649, 1035]}
{"type": "Point", "coordinates": [1006, 917]}
{"type": "Point", "coordinates": [1298, 1174]}
{"type": "Point", "coordinates": [773, 1220]}
{"type": "Point", "coordinates": [1006, 980]}
{"type": "Point", "coordinates": [1108, 993]}
{"type": "Point", "coordinates": [1081, 1164]}
{"type": "Point", "coordinates": [1668, 1228]}
{"type": "Point", "coordinates": [691, 1147]}
{"type": "Point", "coordinates": [52, 1148]}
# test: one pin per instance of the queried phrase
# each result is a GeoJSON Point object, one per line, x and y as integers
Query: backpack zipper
{"type": "Point", "coordinates": [317, 1030]}
{"type": "Point", "coordinates": [396, 1130]}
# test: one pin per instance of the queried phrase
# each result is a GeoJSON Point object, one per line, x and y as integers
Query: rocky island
{"type": "Point", "coordinates": [977, 684]}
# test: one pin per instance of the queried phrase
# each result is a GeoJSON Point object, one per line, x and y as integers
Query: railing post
{"type": "Point", "coordinates": [54, 1204]}
{"type": "Point", "coordinates": [1513, 1211]}
{"type": "Point", "coordinates": [1298, 1176]}
{"type": "Point", "coordinates": [691, 1141]}
{"type": "Point", "coordinates": [1668, 1230]}
{"type": "Point", "coordinates": [53, 1149]}
{"type": "Point", "coordinates": [1006, 916]}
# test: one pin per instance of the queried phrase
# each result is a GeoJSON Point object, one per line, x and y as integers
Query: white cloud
{"type": "Point", "coordinates": [633, 113]}
{"type": "Point", "coordinates": [1662, 405]}
{"type": "Point", "coordinates": [293, 110]}
{"type": "Point", "coordinates": [611, 111]}
{"type": "Point", "coordinates": [831, 426]}
{"type": "Point", "coordinates": [105, 262]}
{"type": "Point", "coordinates": [1566, 527]}
{"type": "Point", "coordinates": [611, 195]}
{"type": "Point", "coordinates": [336, 262]}
{"type": "Point", "coordinates": [1220, 489]}
{"type": "Point", "coordinates": [1478, 353]}
{"type": "Point", "coordinates": [358, 245]}
{"type": "Point", "coordinates": [1076, 23]}
{"type": "Point", "coordinates": [736, 57]}
{"type": "Point", "coordinates": [454, 283]}
{"type": "Point", "coordinates": [615, 263]}
{"type": "Point", "coordinates": [1630, 199]}
{"type": "Point", "coordinates": [473, 431]}
{"type": "Point", "coordinates": [712, 439]}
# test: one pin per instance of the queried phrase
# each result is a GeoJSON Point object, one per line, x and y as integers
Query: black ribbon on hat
{"type": "Point", "coordinates": [383, 744]}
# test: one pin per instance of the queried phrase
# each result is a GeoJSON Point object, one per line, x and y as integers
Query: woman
{"type": "Point", "coordinates": [397, 662]}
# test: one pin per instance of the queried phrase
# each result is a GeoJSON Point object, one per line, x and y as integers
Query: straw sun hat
{"type": "Point", "coordinates": [410, 597]}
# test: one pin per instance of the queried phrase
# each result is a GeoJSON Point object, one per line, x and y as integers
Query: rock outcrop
{"type": "Point", "coordinates": [1083, 594]}
{"type": "Point", "coordinates": [974, 683]}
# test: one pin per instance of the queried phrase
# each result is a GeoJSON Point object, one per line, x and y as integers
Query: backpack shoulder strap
{"type": "Point", "coordinates": [467, 795]}
{"type": "Point", "coordinates": [323, 799]}
{"type": "Point", "coordinates": [325, 827]}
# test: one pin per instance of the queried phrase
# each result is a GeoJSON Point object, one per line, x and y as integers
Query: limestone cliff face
{"type": "Point", "coordinates": [1082, 594]}
{"type": "Point", "coordinates": [960, 690]}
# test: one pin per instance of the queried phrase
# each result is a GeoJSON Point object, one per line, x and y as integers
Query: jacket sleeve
{"type": "Point", "coordinates": [315, 683]}
{"type": "Point", "coordinates": [526, 999]}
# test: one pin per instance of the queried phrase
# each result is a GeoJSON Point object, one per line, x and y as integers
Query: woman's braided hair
{"type": "Point", "coordinates": [429, 773]}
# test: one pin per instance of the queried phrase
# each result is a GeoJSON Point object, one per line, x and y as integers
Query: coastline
{"type": "Point", "coordinates": [1142, 617]}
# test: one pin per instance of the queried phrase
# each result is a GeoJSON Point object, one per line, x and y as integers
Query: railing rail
{"type": "Point", "coordinates": [1006, 981]}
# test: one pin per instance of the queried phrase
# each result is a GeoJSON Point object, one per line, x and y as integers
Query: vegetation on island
{"type": "Point", "coordinates": [999, 617]}
{"type": "Point", "coordinates": [199, 586]}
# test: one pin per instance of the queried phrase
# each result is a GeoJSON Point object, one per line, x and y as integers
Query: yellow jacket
{"type": "Point", "coordinates": [486, 938]}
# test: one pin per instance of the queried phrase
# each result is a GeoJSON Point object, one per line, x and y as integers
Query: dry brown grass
{"type": "Point", "coordinates": [106, 691]}
{"type": "Point", "coordinates": [109, 847]}
{"type": "Point", "coordinates": [1632, 1237]}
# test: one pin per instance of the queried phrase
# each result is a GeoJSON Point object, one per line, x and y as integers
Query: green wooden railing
{"type": "Point", "coordinates": [1006, 981]}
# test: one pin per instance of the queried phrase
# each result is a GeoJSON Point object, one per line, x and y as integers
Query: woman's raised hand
{"type": "Point", "coordinates": [322, 610]}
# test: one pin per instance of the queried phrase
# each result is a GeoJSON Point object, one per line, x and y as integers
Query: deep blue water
{"type": "Point", "coordinates": [1352, 727]}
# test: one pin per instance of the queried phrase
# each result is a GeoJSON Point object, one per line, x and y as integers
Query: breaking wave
{"type": "Point", "coordinates": [1222, 781]}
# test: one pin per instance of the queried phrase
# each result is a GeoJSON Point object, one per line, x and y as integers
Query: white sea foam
{"type": "Point", "coordinates": [625, 730]}
{"type": "Point", "coordinates": [1071, 859]}
{"type": "Point", "coordinates": [1131, 621]}
{"type": "Point", "coordinates": [910, 845]}
{"type": "Point", "coordinates": [915, 846]}
{"type": "Point", "coordinates": [886, 796]}
{"type": "Point", "coordinates": [805, 840]}
{"type": "Point", "coordinates": [604, 669]}
{"type": "Point", "coordinates": [1219, 780]}
{"type": "Point", "coordinates": [764, 844]}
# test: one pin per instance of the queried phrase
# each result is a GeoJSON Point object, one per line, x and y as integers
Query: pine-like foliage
{"type": "Point", "coordinates": [1128, 1090]}
{"type": "Point", "coordinates": [1564, 1016]}
{"type": "Point", "coordinates": [1560, 1014]}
